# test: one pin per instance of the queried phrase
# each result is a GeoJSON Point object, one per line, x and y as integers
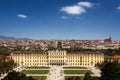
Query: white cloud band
{"type": "Point", "coordinates": [118, 7]}
{"type": "Point", "coordinates": [21, 16]}
{"type": "Point", "coordinates": [85, 4]}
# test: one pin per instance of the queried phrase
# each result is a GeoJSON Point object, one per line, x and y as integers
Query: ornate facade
{"type": "Point", "coordinates": [57, 57]}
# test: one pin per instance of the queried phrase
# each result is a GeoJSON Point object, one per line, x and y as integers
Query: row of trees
{"type": "Point", "coordinates": [105, 51]}
{"type": "Point", "coordinates": [6, 66]}
{"type": "Point", "coordinates": [86, 77]}
{"type": "Point", "coordinates": [13, 75]}
{"type": "Point", "coordinates": [6, 63]}
{"type": "Point", "coordinates": [110, 52]}
{"type": "Point", "coordinates": [109, 71]}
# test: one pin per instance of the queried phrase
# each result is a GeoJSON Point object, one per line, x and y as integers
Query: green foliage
{"type": "Point", "coordinates": [30, 78]}
{"type": "Point", "coordinates": [73, 78]}
{"type": "Point", "coordinates": [17, 76]}
{"type": "Point", "coordinates": [109, 52]}
{"type": "Point", "coordinates": [94, 78]}
{"type": "Point", "coordinates": [38, 67]}
{"type": "Point", "coordinates": [87, 76]}
{"type": "Point", "coordinates": [4, 51]}
{"type": "Point", "coordinates": [75, 67]}
{"type": "Point", "coordinates": [77, 71]}
{"type": "Point", "coordinates": [101, 65]}
{"type": "Point", "coordinates": [111, 71]}
{"type": "Point", "coordinates": [6, 65]}
{"type": "Point", "coordinates": [51, 48]}
{"type": "Point", "coordinates": [40, 77]}
{"type": "Point", "coordinates": [35, 71]}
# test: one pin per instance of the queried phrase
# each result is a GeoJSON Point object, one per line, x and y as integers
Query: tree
{"type": "Point", "coordinates": [87, 76]}
{"type": "Point", "coordinates": [17, 76]}
{"type": "Point", "coordinates": [94, 78]}
{"type": "Point", "coordinates": [111, 71]}
{"type": "Point", "coordinates": [101, 65]}
{"type": "Point", "coordinates": [30, 78]}
{"type": "Point", "coordinates": [78, 78]}
{"type": "Point", "coordinates": [73, 78]}
{"type": "Point", "coordinates": [6, 65]}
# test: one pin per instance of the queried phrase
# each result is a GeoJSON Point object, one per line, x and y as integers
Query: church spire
{"type": "Point", "coordinates": [110, 37]}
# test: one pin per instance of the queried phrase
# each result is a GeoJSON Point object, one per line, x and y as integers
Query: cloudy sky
{"type": "Point", "coordinates": [60, 19]}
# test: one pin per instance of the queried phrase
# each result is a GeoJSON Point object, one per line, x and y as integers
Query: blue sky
{"type": "Point", "coordinates": [60, 19]}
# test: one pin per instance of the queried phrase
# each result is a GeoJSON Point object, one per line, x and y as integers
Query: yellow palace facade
{"type": "Point", "coordinates": [57, 57]}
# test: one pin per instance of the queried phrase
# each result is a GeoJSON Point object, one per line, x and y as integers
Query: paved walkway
{"type": "Point", "coordinates": [77, 75]}
{"type": "Point", "coordinates": [95, 71]}
{"type": "Point", "coordinates": [56, 73]}
{"type": "Point", "coordinates": [37, 69]}
{"type": "Point", "coordinates": [2, 76]}
{"type": "Point", "coordinates": [36, 74]}
{"type": "Point", "coordinates": [76, 69]}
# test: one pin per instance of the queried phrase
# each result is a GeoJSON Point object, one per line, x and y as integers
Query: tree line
{"type": "Point", "coordinates": [13, 75]}
{"type": "Point", "coordinates": [109, 52]}
{"type": "Point", "coordinates": [109, 71]}
{"type": "Point", "coordinates": [6, 66]}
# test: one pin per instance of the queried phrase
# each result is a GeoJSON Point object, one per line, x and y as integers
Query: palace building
{"type": "Point", "coordinates": [57, 57]}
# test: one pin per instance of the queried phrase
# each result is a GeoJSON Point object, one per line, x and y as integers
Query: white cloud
{"type": "Point", "coordinates": [74, 10]}
{"type": "Point", "coordinates": [77, 9]}
{"type": "Point", "coordinates": [21, 16]}
{"type": "Point", "coordinates": [64, 17]}
{"type": "Point", "coordinates": [85, 4]}
{"type": "Point", "coordinates": [118, 7]}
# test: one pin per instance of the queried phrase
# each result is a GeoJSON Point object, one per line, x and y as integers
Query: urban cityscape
{"type": "Point", "coordinates": [59, 40]}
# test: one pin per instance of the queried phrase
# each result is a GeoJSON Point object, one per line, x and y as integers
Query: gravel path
{"type": "Point", "coordinates": [37, 69]}
{"type": "Point", "coordinates": [56, 73]}
{"type": "Point", "coordinates": [95, 71]}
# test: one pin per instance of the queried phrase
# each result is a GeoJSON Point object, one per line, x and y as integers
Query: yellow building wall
{"type": "Point", "coordinates": [61, 57]}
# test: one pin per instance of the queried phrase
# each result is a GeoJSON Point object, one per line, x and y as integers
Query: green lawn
{"type": "Point", "coordinates": [40, 67]}
{"type": "Point", "coordinates": [76, 71]}
{"type": "Point", "coordinates": [74, 68]}
{"type": "Point", "coordinates": [81, 77]}
{"type": "Point", "coordinates": [35, 71]}
{"type": "Point", "coordinates": [39, 77]}
{"type": "Point", "coordinates": [66, 77]}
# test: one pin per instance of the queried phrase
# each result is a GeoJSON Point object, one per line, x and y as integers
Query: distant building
{"type": "Point", "coordinates": [115, 58]}
{"type": "Point", "coordinates": [100, 46]}
{"type": "Point", "coordinates": [5, 57]}
{"type": "Point", "coordinates": [109, 39]}
{"type": "Point", "coordinates": [59, 45]}
{"type": "Point", "coordinates": [112, 58]}
{"type": "Point", "coordinates": [57, 57]}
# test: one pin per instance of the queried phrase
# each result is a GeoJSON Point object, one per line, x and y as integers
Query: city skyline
{"type": "Point", "coordinates": [60, 19]}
